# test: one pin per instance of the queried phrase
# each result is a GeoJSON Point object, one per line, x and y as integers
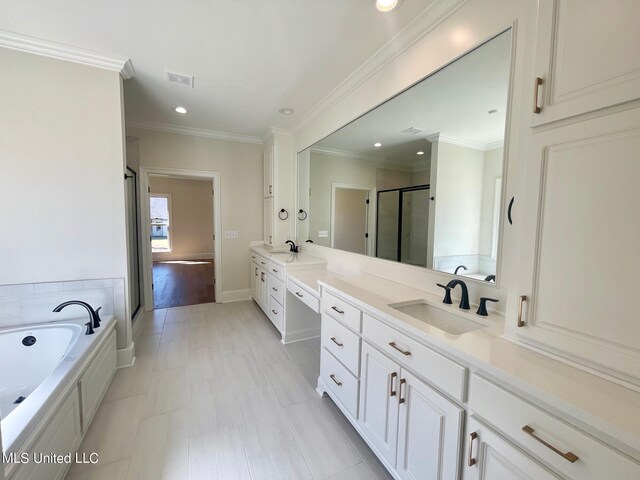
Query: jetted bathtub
{"type": "Point", "coordinates": [52, 379]}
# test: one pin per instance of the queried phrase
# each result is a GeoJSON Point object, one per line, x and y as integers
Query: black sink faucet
{"type": "Point", "coordinates": [293, 248]}
{"type": "Point", "coordinates": [460, 267]}
{"type": "Point", "coordinates": [93, 315]}
{"type": "Point", "coordinates": [464, 301]}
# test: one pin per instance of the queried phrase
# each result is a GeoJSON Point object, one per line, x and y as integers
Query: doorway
{"type": "Point", "coordinates": [181, 219]}
{"type": "Point", "coordinates": [133, 257]}
{"type": "Point", "coordinates": [351, 218]}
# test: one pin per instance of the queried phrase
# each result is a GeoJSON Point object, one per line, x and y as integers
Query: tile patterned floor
{"type": "Point", "coordinates": [214, 395]}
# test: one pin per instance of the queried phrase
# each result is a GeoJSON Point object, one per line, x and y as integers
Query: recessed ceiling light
{"type": "Point", "coordinates": [377, 144]}
{"type": "Point", "coordinates": [181, 110]}
{"type": "Point", "coordinates": [387, 5]}
{"type": "Point", "coordinates": [420, 153]}
{"type": "Point", "coordinates": [492, 111]}
{"type": "Point", "coordinates": [286, 111]}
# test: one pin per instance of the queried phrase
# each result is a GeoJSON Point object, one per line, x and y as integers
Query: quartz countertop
{"type": "Point", "coordinates": [285, 258]}
{"type": "Point", "coordinates": [591, 401]}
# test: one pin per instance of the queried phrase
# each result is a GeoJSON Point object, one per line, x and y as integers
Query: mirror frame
{"type": "Point", "coordinates": [505, 159]}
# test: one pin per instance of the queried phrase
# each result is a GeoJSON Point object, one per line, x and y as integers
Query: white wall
{"type": "Point", "coordinates": [492, 171]}
{"type": "Point", "coordinates": [240, 167]}
{"type": "Point", "coordinates": [191, 222]}
{"type": "Point", "coordinates": [61, 173]}
{"type": "Point", "coordinates": [473, 23]}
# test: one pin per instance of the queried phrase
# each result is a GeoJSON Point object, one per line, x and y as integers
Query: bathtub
{"type": "Point", "coordinates": [41, 366]}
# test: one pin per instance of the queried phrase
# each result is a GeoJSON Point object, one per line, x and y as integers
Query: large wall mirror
{"type": "Point", "coordinates": [418, 179]}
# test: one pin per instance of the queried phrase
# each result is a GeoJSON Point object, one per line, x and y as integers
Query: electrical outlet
{"type": "Point", "coordinates": [231, 234]}
{"type": "Point", "coordinates": [323, 233]}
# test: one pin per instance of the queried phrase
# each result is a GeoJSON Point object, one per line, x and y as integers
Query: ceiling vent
{"type": "Point", "coordinates": [412, 130]}
{"type": "Point", "coordinates": [179, 79]}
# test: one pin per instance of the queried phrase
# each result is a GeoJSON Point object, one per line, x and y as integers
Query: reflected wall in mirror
{"type": "Point", "coordinates": [418, 179]}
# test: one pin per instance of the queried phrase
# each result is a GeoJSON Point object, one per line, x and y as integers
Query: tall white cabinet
{"type": "Point", "coordinates": [278, 167]}
{"type": "Point", "coordinates": [580, 225]}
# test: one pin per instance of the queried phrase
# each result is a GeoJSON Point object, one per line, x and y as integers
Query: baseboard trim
{"type": "Point", "coordinates": [234, 295]}
{"type": "Point", "coordinates": [163, 257]}
{"type": "Point", "coordinates": [127, 356]}
{"type": "Point", "coordinates": [300, 335]}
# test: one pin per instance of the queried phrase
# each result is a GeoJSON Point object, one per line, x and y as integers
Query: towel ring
{"type": "Point", "coordinates": [302, 215]}
{"type": "Point", "coordinates": [283, 214]}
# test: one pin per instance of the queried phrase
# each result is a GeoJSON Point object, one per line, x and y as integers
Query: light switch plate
{"type": "Point", "coordinates": [231, 234]}
{"type": "Point", "coordinates": [323, 233]}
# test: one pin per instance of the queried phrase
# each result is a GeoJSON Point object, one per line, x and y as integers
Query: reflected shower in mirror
{"type": "Point", "coordinates": [418, 179]}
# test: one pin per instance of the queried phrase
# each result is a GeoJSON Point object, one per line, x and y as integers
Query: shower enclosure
{"type": "Point", "coordinates": [402, 224]}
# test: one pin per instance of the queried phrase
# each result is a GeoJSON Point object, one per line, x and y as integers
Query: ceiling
{"type": "Point", "coordinates": [454, 102]}
{"type": "Point", "coordinates": [249, 57]}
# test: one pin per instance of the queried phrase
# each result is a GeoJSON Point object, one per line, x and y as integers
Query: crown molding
{"type": "Point", "coordinates": [344, 154]}
{"type": "Point", "coordinates": [46, 48]}
{"type": "Point", "coordinates": [412, 33]}
{"type": "Point", "coordinates": [463, 142]}
{"type": "Point", "coordinates": [273, 131]}
{"type": "Point", "coordinates": [195, 132]}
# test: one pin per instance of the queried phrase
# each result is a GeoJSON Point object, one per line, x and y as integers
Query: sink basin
{"type": "Point", "coordinates": [279, 253]}
{"type": "Point", "coordinates": [439, 318]}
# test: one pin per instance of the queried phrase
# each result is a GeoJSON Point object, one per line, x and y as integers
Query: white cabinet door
{"type": "Point", "coordinates": [428, 433]}
{"type": "Point", "coordinates": [490, 457]}
{"type": "Point", "coordinates": [378, 419]}
{"type": "Point", "coordinates": [255, 281]}
{"type": "Point", "coordinates": [268, 221]}
{"type": "Point", "coordinates": [267, 163]}
{"type": "Point", "coordinates": [262, 289]}
{"type": "Point", "coordinates": [580, 237]}
{"type": "Point", "coordinates": [586, 55]}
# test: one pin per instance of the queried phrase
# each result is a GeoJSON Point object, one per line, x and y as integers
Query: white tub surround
{"type": "Point", "coordinates": [405, 397]}
{"type": "Point", "coordinates": [294, 318]}
{"type": "Point", "coordinates": [55, 415]}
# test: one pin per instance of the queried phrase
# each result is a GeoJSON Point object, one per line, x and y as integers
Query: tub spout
{"type": "Point", "coordinates": [93, 314]}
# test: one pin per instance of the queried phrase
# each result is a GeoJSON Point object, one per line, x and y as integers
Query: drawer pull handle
{"type": "Point", "coordinates": [299, 294]}
{"type": "Point", "coordinates": [274, 289]}
{"type": "Point", "coordinates": [571, 457]}
{"type": "Point", "coordinates": [256, 271]}
{"type": "Point", "coordinates": [333, 377]}
{"type": "Point", "coordinates": [263, 263]}
{"type": "Point", "coordinates": [274, 270]}
{"type": "Point", "coordinates": [521, 300]}
{"type": "Point", "coordinates": [536, 91]}
{"type": "Point", "coordinates": [401, 399]}
{"type": "Point", "coordinates": [253, 256]}
{"type": "Point", "coordinates": [341, 312]}
{"type": "Point", "coordinates": [470, 460]}
{"type": "Point", "coordinates": [404, 352]}
{"type": "Point", "coordinates": [274, 312]}
{"type": "Point", "coordinates": [333, 339]}
{"type": "Point", "coordinates": [392, 392]}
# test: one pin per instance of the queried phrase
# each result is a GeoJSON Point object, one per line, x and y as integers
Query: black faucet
{"type": "Point", "coordinates": [293, 248]}
{"type": "Point", "coordinates": [464, 301]}
{"type": "Point", "coordinates": [94, 317]}
{"type": "Point", "coordinates": [458, 268]}
{"type": "Point", "coordinates": [490, 278]}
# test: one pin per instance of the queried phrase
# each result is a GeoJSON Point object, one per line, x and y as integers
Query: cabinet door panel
{"type": "Point", "coordinates": [582, 227]}
{"type": "Point", "coordinates": [378, 408]}
{"type": "Point", "coordinates": [268, 221]}
{"type": "Point", "coordinates": [497, 459]}
{"type": "Point", "coordinates": [428, 433]}
{"type": "Point", "coordinates": [267, 161]}
{"type": "Point", "coordinates": [586, 55]}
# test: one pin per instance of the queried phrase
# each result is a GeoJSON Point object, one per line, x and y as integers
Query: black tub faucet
{"type": "Point", "coordinates": [490, 278]}
{"type": "Point", "coordinates": [293, 248]}
{"type": "Point", "coordinates": [93, 315]}
{"type": "Point", "coordinates": [464, 300]}
{"type": "Point", "coordinates": [460, 267]}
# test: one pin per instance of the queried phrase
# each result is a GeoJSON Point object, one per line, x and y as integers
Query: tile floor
{"type": "Point", "coordinates": [214, 395]}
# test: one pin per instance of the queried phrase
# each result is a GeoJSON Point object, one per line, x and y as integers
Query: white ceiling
{"type": "Point", "coordinates": [454, 102]}
{"type": "Point", "coordinates": [249, 57]}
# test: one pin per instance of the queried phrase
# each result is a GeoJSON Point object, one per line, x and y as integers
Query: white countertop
{"type": "Point", "coordinates": [591, 401]}
{"type": "Point", "coordinates": [286, 259]}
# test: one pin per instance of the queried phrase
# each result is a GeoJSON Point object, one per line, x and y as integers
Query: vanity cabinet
{"type": "Point", "coordinates": [268, 221]}
{"type": "Point", "coordinates": [586, 56]}
{"type": "Point", "coordinates": [277, 187]}
{"type": "Point", "coordinates": [267, 170]}
{"type": "Point", "coordinates": [580, 232]}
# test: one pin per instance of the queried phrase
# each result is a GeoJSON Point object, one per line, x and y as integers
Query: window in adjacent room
{"type": "Point", "coordinates": [160, 208]}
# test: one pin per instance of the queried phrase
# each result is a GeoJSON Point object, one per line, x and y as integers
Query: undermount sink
{"type": "Point", "coordinates": [279, 253]}
{"type": "Point", "coordinates": [439, 318]}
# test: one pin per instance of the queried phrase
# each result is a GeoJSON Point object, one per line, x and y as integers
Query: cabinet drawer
{"type": "Point", "coordinates": [445, 374]}
{"type": "Point", "coordinates": [275, 313]}
{"type": "Point", "coordinates": [261, 261]}
{"type": "Point", "coordinates": [276, 289]}
{"type": "Point", "coordinates": [341, 310]}
{"type": "Point", "coordinates": [276, 271]}
{"type": "Point", "coordinates": [595, 460]}
{"type": "Point", "coordinates": [342, 342]}
{"type": "Point", "coordinates": [304, 295]}
{"type": "Point", "coordinates": [340, 381]}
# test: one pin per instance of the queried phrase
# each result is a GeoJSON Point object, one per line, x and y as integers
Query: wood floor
{"type": "Point", "coordinates": [179, 283]}
{"type": "Point", "coordinates": [214, 395]}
